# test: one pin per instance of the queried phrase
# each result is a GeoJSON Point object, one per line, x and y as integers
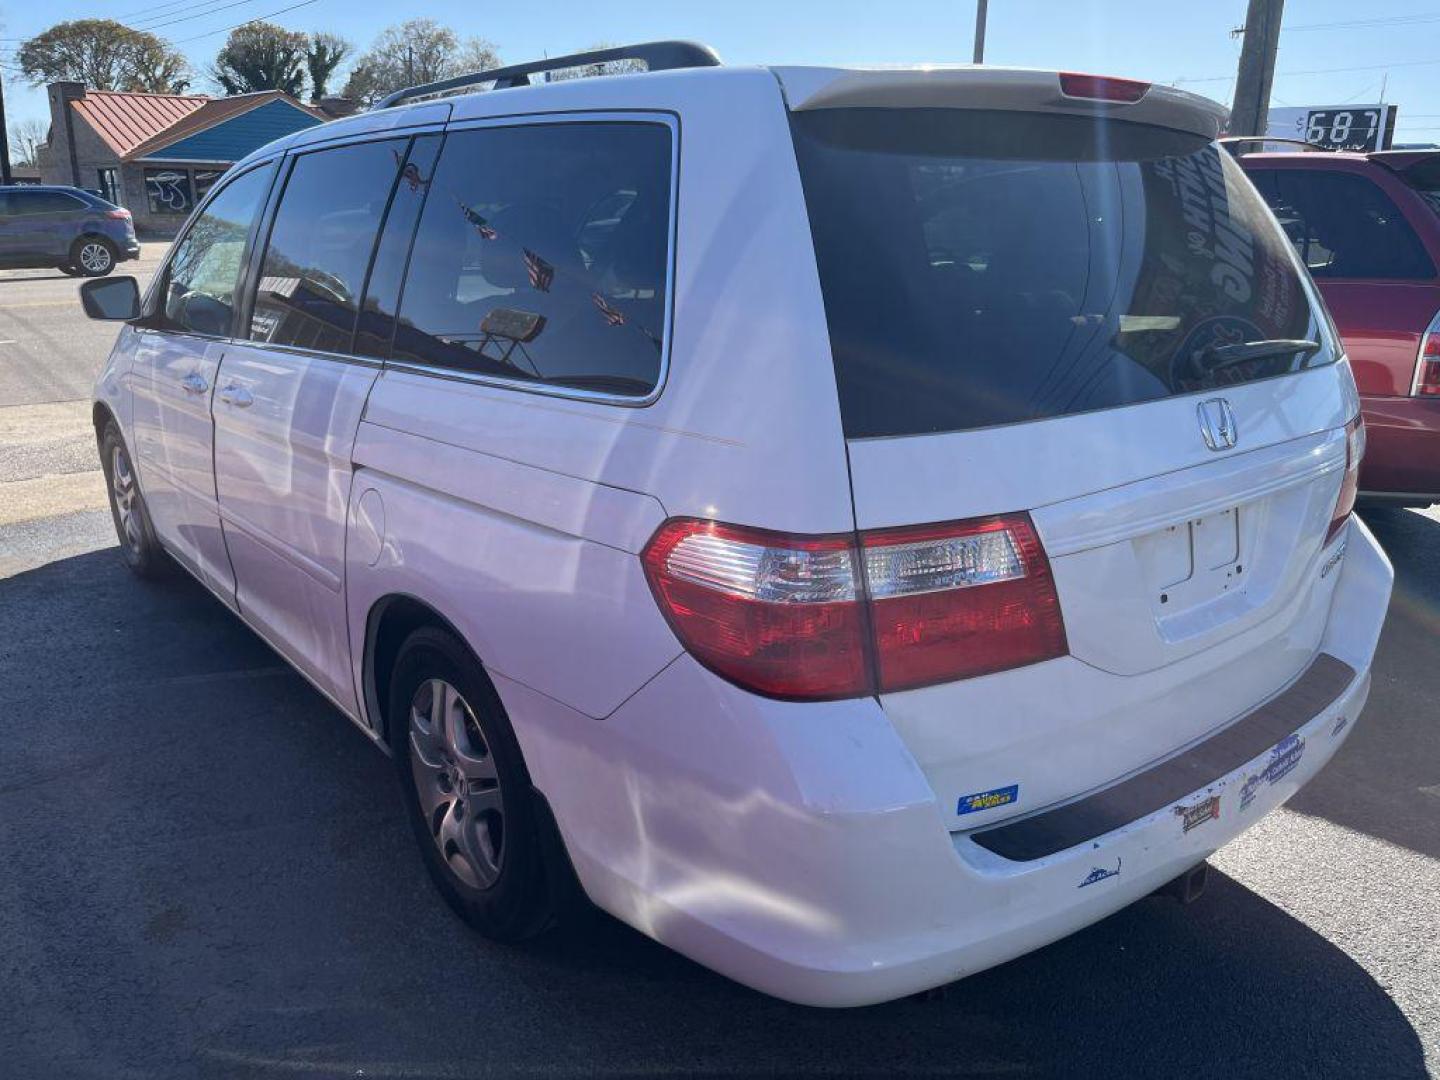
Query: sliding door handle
{"type": "Point", "coordinates": [237, 396]}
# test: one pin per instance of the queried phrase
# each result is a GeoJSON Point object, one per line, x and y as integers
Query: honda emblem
{"type": "Point", "coordinates": [1217, 423]}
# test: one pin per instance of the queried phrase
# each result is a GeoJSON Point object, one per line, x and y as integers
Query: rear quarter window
{"type": "Point", "coordinates": [542, 256]}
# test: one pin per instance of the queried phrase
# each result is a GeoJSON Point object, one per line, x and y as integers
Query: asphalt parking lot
{"type": "Point", "coordinates": [205, 871]}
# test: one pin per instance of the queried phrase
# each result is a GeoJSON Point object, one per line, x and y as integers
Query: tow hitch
{"type": "Point", "coordinates": [1188, 886]}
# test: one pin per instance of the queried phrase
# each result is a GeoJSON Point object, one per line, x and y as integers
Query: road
{"type": "Point", "coordinates": [205, 871]}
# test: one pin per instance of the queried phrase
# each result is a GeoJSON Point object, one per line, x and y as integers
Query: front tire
{"type": "Point", "coordinates": [138, 546]}
{"type": "Point", "coordinates": [93, 256]}
{"type": "Point", "coordinates": [71, 271]}
{"type": "Point", "coordinates": [467, 789]}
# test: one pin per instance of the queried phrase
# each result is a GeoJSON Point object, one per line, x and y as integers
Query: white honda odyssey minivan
{"type": "Point", "coordinates": [859, 525]}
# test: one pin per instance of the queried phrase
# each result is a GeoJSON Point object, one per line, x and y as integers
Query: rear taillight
{"type": "Point", "coordinates": [117, 214]}
{"type": "Point", "coordinates": [1102, 87]}
{"type": "Point", "coordinates": [954, 601]}
{"type": "Point", "coordinates": [1427, 363]}
{"type": "Point", "coordinates": [843, 616]}
{"type": "Point", "coordinates": [1350, 485]}
{"type": "Point", "coordinates": [775, 613]}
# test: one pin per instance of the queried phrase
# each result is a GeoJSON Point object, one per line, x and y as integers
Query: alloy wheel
{"type": "Point", "coordinates": [95, 257]}
{"type": "Point", "coordinates": [122, 488]}
{"type": "Point", "coordinates": [457, 783]}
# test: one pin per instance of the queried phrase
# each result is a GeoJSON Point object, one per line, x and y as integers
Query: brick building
{"type": "Point", "coordinates": [157, 154]}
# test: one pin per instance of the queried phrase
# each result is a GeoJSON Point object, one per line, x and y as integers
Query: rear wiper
{"type": "Point", "coordinates": [1215, 357]}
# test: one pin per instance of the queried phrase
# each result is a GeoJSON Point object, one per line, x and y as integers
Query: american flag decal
{"type": "Point", "coordinates": [483, 227]}
{"type": "Point", "coordinates": [540, 272]}
{"type": "Point", "coordinates": [612, 315]}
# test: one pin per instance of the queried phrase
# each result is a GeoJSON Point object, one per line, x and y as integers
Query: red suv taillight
{"type": "Point", "coordinates": [1350, 485]}
{"type": "Point", "coordinates": [822, 617]}
{"type": "Point", "coordinates": [1427, 363]}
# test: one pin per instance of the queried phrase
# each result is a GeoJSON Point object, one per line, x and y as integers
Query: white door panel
{"type": "Point", "coordinates": [172, 378]}
{"type": "Point", "coordinates": [284, 429]}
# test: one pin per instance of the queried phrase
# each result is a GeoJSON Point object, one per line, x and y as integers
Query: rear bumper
{"type": "Point", "coordinates": [1402, 450]}
{"type": "Point", "coordinates": [797, 848]}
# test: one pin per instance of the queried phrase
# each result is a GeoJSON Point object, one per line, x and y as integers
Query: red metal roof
{"type": "Point", "coordinates": [125, 120]}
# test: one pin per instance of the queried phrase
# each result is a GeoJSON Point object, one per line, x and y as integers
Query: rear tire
{"type": "Point", "coordinates": [467, 789]}
{"type": "Point", "coordinates": [71, 271]}
{"type": "Point", "coordinates": [138, 546]}
{"type": "Point", "coordinates": [93, 256]}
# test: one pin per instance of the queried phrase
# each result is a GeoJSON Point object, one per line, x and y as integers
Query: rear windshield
{"type": "Point", "coordinates": [984, 268]}
{"type": "Point", "coordinates": [1424, 177]}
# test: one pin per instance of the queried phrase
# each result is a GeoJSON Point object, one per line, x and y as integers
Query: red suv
{"type": "Point", "coordinates": [1368, 227]}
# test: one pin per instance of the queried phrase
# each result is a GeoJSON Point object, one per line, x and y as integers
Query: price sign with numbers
{"type": "Point", "coordinates": [1351, 127]}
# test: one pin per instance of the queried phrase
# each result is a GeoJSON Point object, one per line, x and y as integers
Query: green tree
{"type": "Point", "coordinates": [262, 56]}
{"type": "Point", "coordinates": [415, 52]}
{"type": "Point", "coordinates": [323, 55]}
{"type": "Point", "coordinates": [104, 55]}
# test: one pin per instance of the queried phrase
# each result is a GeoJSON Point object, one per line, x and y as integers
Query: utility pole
{"type": "Point", "coordinates": [1251, 109]}
{"type": "Point", "coordinates": [5, 177]}
{"type": "Point", "coordinates": [980, 6]}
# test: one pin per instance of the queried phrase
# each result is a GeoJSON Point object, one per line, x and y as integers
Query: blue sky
{"type": "Point", "coordinates": [1162, 40]}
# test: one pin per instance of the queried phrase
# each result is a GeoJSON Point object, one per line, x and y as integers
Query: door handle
{"type": "Point", "coordinates": [194, 383]}
{"type": "Point", "coordinates": [238, 396]}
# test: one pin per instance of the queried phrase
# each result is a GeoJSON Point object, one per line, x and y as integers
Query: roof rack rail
{"type": "Point", "coordinates": [1229, 141]}
{"type": "Point", "coordinates": [656, 55]}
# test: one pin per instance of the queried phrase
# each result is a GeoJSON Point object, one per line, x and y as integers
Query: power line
{"type": "Point", "coordinates": [193, 15]}
{"type": "Point", "coordinates": [1366, 24]}
{"type": "Point", "coordinates": [1321, 71]}
{"type": "Point", "coordinates": [153, 8]}
{"type": "Point", "coordinates": [247, 22]}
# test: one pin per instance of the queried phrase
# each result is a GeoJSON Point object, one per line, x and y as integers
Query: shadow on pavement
{"type": "Point", "coordinates": [205, 871]}
{"type": "Point", "coordinates": [57, 276]}
{"type": "Point", "coordinates": [1385, 781]}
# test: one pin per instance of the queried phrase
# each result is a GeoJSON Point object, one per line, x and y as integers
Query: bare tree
{"type": "Point", "coordinates": [26, 138]}
{"type": "Point", "coordinates": [415, 52]}
{"type": "Point", "coordinates": [586, 71]}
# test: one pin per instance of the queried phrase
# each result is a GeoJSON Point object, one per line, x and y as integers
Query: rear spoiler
{"type": "Point", "coordinates": [1005, 89]}
{"type": "Point", "coordinates": [1403, 160]}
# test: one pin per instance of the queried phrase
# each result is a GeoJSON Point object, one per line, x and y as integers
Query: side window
{"type": "Point", "coordinates": [308, 293]}
{"type": "Point", "coordinates": [52, 202]}
{"type": "Point", "coordinates": [205, 265]}
{"type": "Point", "coordinates": [1344, 225]}
{"type": "Point", "coordinates": [382, 294]}
{"type": "Point", "coordinates": [542, 255]}
{"type": "Point", "coordinates": [21, 203]}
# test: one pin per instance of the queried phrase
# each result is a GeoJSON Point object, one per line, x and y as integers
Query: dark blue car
{"type": "Point", "coordinates": [66, 228]}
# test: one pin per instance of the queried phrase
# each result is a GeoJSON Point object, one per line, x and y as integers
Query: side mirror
{"type": "Point", "coordinates": [111, 298]}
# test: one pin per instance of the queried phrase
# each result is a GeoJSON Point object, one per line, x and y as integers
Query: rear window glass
{"type": "Point", "coordinates": [983, 268]}
{"type": "Point", "coordinates": [1344, 225]}
{"type": "Point", "coordinates": [1424, 177]}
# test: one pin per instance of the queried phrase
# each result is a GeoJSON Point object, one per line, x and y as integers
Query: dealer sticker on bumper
{"type": "Point", "coordinates": [988, 800]}
{"type": "Point", "coordinates": [1197, 814]}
